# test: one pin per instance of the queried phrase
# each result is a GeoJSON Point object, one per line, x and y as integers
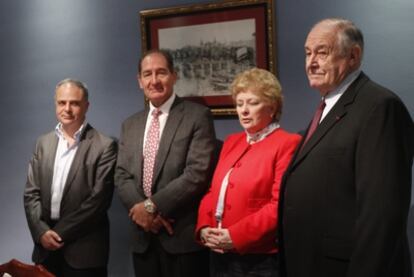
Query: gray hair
{"type": "Point", "coordinates": [76, 83]}
{"type": "Point", "coordinates": [348, 33]}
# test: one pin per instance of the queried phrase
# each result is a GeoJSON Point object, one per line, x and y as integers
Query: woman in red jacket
{"type": "Point", "coordinates": [237, 218]}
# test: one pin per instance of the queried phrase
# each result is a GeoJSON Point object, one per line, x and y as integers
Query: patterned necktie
{"type": "Point", "coordinates": [315, 121]}
{"type": "Point", "coordinates": [150, 151]}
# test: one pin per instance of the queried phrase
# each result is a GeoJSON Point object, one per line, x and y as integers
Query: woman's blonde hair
{"type": "Point", "coordinates": [264, 84]}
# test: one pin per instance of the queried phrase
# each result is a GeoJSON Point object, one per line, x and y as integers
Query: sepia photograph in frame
{"type": "Point", "coordinates": [210, 44]}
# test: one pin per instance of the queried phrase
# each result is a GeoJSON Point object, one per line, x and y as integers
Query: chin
{"type": "Point", "coordinates": [316, 85]}
{"type": "Point", "coordinates": [66, 122]}
{"type": "Point", "coordinates": [246, 128]}
{"type": "Point", "coordinates": [252, 130]}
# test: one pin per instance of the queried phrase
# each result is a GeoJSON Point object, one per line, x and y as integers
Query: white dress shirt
{"type": "Point", "coordinates": [63, 162]}
{"type": "Point", "coordinates": [333, 96]}
{"type": "Point", "coordinates": [165, 111]}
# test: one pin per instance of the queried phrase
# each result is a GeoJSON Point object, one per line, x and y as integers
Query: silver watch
{"type": "Point", "coordinates": [149, 206]}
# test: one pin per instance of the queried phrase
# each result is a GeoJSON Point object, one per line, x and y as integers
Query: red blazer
{"type": "Point", "coordinates": [251, 202]}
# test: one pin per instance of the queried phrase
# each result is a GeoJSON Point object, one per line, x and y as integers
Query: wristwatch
{"type": "Point", "coordinates": [149, 206]}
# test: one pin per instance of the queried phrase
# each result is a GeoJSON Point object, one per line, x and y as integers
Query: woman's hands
{"type": "Point", "coordinates": [218, 240]}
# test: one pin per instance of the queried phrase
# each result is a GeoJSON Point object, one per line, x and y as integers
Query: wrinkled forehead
{"type": "Point", "coordinates": [322, 35]}
{"type": "Point", "coordinates": [70, 92]}
{"type": "Point", "coordinates": [154, 59]}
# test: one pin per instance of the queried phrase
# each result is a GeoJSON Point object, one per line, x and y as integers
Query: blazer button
{"type": "Point", "coordinates": [231, 185]}
{"type": "Point", "coordinates": [228, 207]}
{"type": "Point", "coordinates": [238, 164]}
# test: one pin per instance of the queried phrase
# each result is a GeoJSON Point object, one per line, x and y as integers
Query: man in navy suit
{"type": "Point", "coordinates": [346, 195]}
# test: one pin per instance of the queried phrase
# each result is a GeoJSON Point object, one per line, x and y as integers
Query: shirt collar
{"type": "Point", "coordinates": [76, 136]}
{"type": "Point", "coordinates": [343, 86]}
{"type": "Point", "coordinates": [260, 135]}
{"type": "Point", "coordinates": [164, 108]}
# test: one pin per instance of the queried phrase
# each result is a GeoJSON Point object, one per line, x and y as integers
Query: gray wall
{"type": "Point", "coordinates": [98, 41]}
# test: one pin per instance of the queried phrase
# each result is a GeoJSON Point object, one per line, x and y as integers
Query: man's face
{"type": "Point", "coordinates": [326, 66]}
{"type": "Point", "coordinates": [156, 79]}
{"type": "Point", "coordinates": [71, 106]}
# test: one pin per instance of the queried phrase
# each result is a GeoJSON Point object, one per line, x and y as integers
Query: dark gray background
{"type": "Point", "coordinates": [98, 41]}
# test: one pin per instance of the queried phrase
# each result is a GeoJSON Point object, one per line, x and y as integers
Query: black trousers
{"type": "Point", "coordinates": [249, 265]}
{"type": "Point", "coordinates": [57, 265]}
{"type": "Point", "coordinates": [156, 262]}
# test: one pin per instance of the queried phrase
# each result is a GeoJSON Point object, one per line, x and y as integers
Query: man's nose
{"type": "Point", "coordinates": [154, 78]}
{"type": "Point", "coordinates": [312, 61]}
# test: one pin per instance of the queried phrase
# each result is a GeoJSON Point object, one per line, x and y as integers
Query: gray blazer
{"type": "Point", "coordinates": [83, 223]}
{"type": "Point", "coordinates": [181, 175]}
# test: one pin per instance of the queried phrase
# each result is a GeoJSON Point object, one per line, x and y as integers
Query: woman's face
{"type": "Point", "coordinates": [254, 113]}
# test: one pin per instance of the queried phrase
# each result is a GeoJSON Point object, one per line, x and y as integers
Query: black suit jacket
{"type": "Point", "coordinates": [83, 223]}
{"type": "Point", "coordinates": [346, 195]}
{"type": "Point", "coordinates": [181, 175]}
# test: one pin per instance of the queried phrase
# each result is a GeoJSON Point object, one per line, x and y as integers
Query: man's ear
{"type": "Point", "coordinates": [139, 81]}
{"type": "Point", "coordinates": [175, 76]}
{"type": "Point", "coordinates": [355, 56]}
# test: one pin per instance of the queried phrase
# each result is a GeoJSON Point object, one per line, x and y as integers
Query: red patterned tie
{"type": "Point", "coordinates": [150, 151]}
{"type": "Point", "coordinates": [315, 121]}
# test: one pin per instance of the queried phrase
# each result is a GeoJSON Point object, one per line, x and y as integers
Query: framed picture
{"type": "Point", "coordinates": [211, 44]}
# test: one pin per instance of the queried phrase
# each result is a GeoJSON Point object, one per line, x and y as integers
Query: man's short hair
{"type": "Point", "coordinates": [76, 83]}
{"type": "Point", "coordinates": [164, 53]}
{"type": "Point", "coordinates": [348, 33]}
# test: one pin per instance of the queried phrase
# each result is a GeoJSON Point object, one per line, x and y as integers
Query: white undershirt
{"type": "Point", "coordinates": [63, 162]}
{"type": "Point", "coordinates": [165, 111]}
{"type": "Point", "coordinates": [333, 96]}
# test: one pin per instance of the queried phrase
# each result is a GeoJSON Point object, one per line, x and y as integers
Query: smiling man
{"type": "Point", "coordinates": [69, 189]}
{"type": "Point", "coordinates": [163, 170]}
{"type": "Point", "coordinates": [346, 194]}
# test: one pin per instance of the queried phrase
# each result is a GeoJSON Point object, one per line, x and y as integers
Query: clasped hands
{"type": "Point", "coordinates": [218, 240]}
{"type": "Point", "coordinates": [51, 240]}
{"type": "Point", "coordinates": [150, 222]}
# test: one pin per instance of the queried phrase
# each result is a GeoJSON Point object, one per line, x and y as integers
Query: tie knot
{"type": "Point", "coordinates": [156, 112]}
{"type": "Point", "coordinates": [322, 104]}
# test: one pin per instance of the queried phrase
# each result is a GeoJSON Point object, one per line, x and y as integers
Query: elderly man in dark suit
{"type": "Point", "coordinates": [346, 194]}
{"type": "Point", "coordinates": [163, 170]}
{"type": "Point", "coordinates": [69, 190]}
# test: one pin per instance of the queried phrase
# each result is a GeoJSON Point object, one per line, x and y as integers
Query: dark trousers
{"type": "Point", "coordinates": [57, 265]}
{"type": "Point", "coordinates": [156, 262]}
{"type": "Point", "coordinates": [249, 265]}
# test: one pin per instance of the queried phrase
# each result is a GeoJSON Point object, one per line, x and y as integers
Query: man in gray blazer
{"type": "Point", "coordinates": [162, 183]}
{"type": "Point", "coordinates": [69, 190]}
{"type": "Point", "coordinates": [346, 195]}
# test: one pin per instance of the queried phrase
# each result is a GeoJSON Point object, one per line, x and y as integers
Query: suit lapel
{"type": "Point", "coordinates": [78, 160]}
{"type": "Point", "coordinates": [138, 133]}
{"type": "Point", "coordinates": [51, 144]}
{"type": "Point", "coordinates": [171, 126]}
{"type": "Point", "coordinates": [338, 112]}
{"type": "Point", "coordinates": [334, 116]}
{"type": "Point", "coordinates": [236, 153]}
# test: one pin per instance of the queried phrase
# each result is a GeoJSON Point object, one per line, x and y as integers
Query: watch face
{"type": "Point", "coordinates": [149, 206]}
